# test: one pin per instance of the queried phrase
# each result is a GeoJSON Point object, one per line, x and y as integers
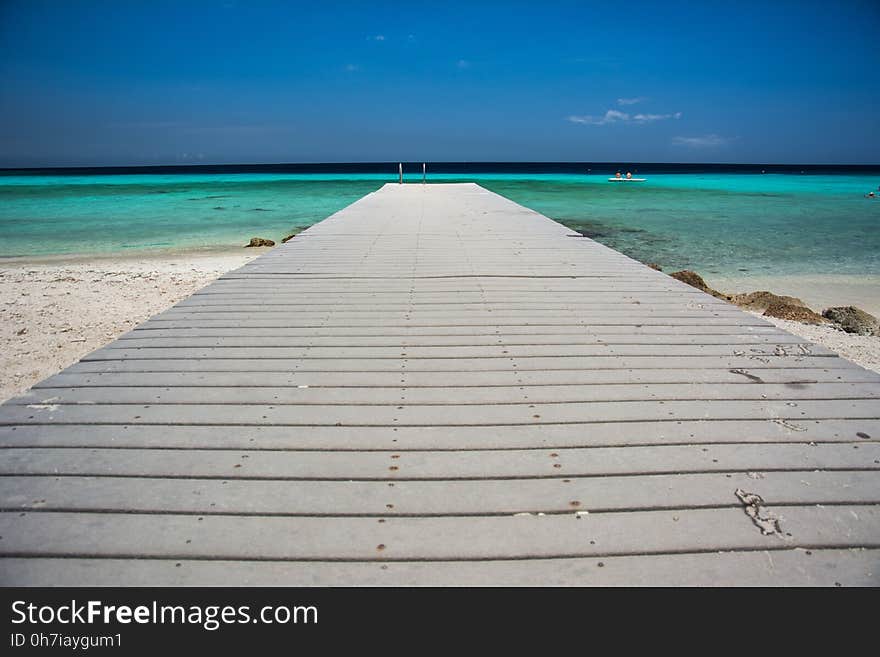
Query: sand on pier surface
{"type": "Point", "coordinates": [55, 311]}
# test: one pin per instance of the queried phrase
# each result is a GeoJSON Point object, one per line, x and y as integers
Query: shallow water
{"type": "Point", "coordinates": [724, 224]}
{"type": "Point", "coordinates": [101, 214]}
{"type": "Point", "coordinates": [721, 224]}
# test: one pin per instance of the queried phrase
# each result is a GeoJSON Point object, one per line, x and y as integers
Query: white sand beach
{"type": "Point", "coordinates": [54, 311]}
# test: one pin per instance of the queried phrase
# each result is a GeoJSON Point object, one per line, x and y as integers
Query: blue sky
{"type": "Point", "coordinates": [128, 82]}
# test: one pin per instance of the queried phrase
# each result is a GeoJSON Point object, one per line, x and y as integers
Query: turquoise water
{"type": "Point", "coordinates": [719, 223]}
{"type": "Point", "coordinates": [48, 215]}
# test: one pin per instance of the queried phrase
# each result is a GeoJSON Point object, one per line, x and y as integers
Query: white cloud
{"type": "Point", "coordinates": [377, 37]}
{"type": "Point", "coordinates": [616, 116]}
{"type": "Point", "coordinates": [705, 141]}
{"type": "Point", "coordinates": [463, 63]}
{"type": "Point", "coordinates": [631, 101]}
{"type": "Point", "coordinates": [649, 118]}
{"type": "Point", "coordinates": [352, 67]}
{"type": "Point", "coordinates": [611, 116]}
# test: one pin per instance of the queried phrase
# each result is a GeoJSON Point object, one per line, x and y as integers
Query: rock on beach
{"type": "Point", "coordinates": [763, 299]}
{"type": "Point", "coordinates": [260, 241]}
{"type": "Point", "coordinates": [793, 312]}
{"type": "Point", "coordinates": [853, 320]}
{"type": "Point", "coordinates": [693, 279]}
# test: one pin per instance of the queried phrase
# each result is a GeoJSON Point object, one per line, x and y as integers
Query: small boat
{"type": "Point", "coordinates": [627, 179]}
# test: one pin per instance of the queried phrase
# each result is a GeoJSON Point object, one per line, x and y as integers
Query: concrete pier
{"type": "Point", "coordinates": [438, 386]}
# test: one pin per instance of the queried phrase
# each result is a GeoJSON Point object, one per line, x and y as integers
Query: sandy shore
{"type": "Point", "coordinates": [861, 349]}
{"type": "Point", "coordinates": [818, 291]}
{"type": "Point", "coordinates": [54, 311]}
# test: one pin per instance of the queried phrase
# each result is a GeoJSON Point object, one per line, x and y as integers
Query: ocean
{"type": "Point", "coordinates": [727, 221]}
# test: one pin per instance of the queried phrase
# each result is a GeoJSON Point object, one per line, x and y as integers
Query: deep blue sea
{"type": "Point", "coordinates": [724, 220]}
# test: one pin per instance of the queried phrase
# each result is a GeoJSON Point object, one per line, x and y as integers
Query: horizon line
{"type": "Point", "coordinates": [458, 163]}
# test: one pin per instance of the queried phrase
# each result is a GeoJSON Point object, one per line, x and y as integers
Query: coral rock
{"type": "Point", "coordinates": [853, 320]}
{"type": "Point", "coordinates": [760, 301]}
{"type": "Point", "coordinates": [260, 241]}
{"type": "Point", "coordinates": [693, 279]}
{"type": "Point", "coordinates": [794, 313]}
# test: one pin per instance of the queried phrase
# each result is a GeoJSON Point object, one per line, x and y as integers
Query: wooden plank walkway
{"type": "Point", "coordinates": [438, 386]}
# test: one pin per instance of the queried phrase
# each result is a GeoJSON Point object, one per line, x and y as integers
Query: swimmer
{"type": "Point", "coordinates": [618, 175]}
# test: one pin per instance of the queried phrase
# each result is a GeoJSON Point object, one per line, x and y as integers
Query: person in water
{"type": "Point", "coordinates": [628, 175]}
{"type": "Point", "coordinates": [618, 175]}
